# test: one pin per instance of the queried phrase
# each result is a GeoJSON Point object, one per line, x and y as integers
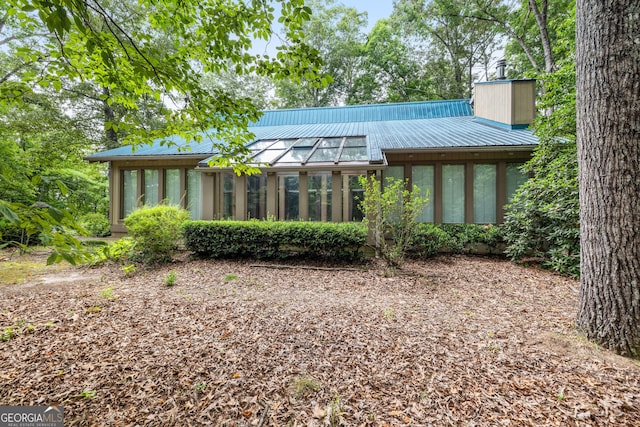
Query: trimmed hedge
{"type": "Point", "coordinates": [431, 239]}
{"type": "Point", "coordinates": [272, 239]}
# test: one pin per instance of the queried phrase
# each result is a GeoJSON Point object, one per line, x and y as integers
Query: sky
{"type": "Point", "coordinates": [376, 9]}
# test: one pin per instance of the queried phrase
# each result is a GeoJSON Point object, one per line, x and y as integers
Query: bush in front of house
{"type": "Point", "coordinates": [428, 241]}
{"type": "Point", "coordinates": [272, 239]}
{"type": "Point", "coordinates": [96, 224]}
{"type": "Point", "coordinates": [431, 239]}
{"type": "Point", "coordinates": [474, 238]}
{"type": "Point", "coordinates": [156, 231]}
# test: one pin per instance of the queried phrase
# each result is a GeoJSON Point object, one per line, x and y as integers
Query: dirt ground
{"type": "Point", "coordinates": [463, 341]}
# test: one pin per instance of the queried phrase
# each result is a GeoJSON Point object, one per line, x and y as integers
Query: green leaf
{"type": "Point", "coordinates": [8, 213]}
{"type": "Point", "coordinates": [53, 258]}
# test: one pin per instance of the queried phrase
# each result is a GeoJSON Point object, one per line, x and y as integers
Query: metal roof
{"type": "Point", "coordinates": [366, 113]}
{"type": "Point", "coordinates": [429, 125]}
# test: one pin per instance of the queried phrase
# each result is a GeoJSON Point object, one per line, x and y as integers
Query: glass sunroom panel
{"type": "Point", "coordinates": [172, 194]}
{"type": "Point", "coordinates": [353, 195]}
{"type": "Point", "coordinates": [288, 197]}
{"type": "Point", "coordinates": [356, 142]}
{"type": "Point", "coordinates": [151, 187]}
{"type": "Point", "coordinates": [422, 176]}
{"type": "Point", "coordinates": [228, 199]}
{"type": "Point", "coordinates": [453, 194]}
{"type": "Point", "coordinates": [324, 155]}
{"type": "Point", "coordinates": [194, 193]}
{"type": "Point", "coordinates": [267, 156]}
{"type": "Point", "coordinates": [484, 194]}
{"type": "Point", "coordinates": [283, 144]}
{"type": "Point", "coordinates": [257, 196]}
{"type": "Point", "coordinates": [260, 145]}
{"type": "Point", "coordinates": [515, 178]}
{"type": "Point", "coordinates": [320, 197]}
{"type": "Point", "coordinates": [354, 154]}
{"type": "Point", "coordinates": [330, 143]}
{"type": "Point", "coordinates": [295, 156]}
{"type": "Point", "coordinates": [306, 142]}
{"type": "Point", "coordinates": [129, 191]}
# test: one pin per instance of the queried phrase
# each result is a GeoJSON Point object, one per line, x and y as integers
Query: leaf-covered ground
{"type": "Point", "coordinates": [451, 341]}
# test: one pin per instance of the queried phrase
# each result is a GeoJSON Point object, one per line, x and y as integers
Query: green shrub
{"type": "Point", "coordinates": [428, 240]}
{"type": "Point", "coordinates": [97, 225]}
{"type": "Point", "coordinates": [391, 211]}
{"type": "Point", "coordinates": [270, 239]}
{"type": "Point", "coordinates": [467, 238]}
{"type": "Point", "coordinates": [543, 218]}
{"type": "Point", "coordinates": [156, 231]}
{"type": "Point", "coordinates": [121, 251]}
{"type": "Point", "coordinates": [11, 233]}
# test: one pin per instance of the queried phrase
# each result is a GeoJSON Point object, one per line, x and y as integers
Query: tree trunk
{"type": "Point", "coordinates": [109, 117]}
{"type": "Point", "coordinates": [608, 115]}
{"type": "Point", "coordinates": [540, 14]}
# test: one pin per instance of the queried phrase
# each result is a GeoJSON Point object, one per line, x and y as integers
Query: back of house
{"type": "Point", "coordinates": [310, 159]}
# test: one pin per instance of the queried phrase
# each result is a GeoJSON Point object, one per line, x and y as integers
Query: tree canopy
{"type": "Point", "coordinates": [162, 57]}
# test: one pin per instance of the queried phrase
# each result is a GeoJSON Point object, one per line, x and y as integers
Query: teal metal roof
{"type": "Point", "coordinates": [429, 125]}
{"type": "Point", "coordinates": [366, 113]}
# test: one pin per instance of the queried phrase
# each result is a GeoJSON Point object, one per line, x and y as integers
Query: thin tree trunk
{"type": "Point", "coordinates": [608, 114]}
{"type": "Point", "coordinates": [540, 14]}
{"type": "Point", "coordinates": [109, 117]}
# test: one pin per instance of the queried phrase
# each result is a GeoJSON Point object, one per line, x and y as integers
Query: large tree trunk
{"type": "Point", "coordinates": [608, 109]}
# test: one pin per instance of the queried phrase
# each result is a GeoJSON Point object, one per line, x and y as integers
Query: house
{"type": "Point", "coordinates": [311, 159]}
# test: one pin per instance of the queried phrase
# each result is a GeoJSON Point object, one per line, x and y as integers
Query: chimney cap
{"type": "Point", "coordinates": [500, 69]}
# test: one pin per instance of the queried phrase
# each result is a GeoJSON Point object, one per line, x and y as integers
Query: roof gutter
{"type": "Point", "coordinates": [465, 149]}
{"type": "Point", "coordinates": [152, 157]}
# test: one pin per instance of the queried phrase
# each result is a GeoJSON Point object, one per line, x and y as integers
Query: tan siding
{"type": "Point", "coordinates": [524, 101]}
{"type": "Point", "coordinates": [509, 102]}
{"type": "Point", "coordinates": [240, 188]}
{"type": "Point", "coordinates": [208, 201]}
{"type": "Point", "coordinates": [493, 102]}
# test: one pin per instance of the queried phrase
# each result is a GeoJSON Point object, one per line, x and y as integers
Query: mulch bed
{"type": "Point", "coordinates": [452, 341]}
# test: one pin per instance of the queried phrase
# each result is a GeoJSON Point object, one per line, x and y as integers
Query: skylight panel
{"type": "Point", "coordinates": [354, 154]}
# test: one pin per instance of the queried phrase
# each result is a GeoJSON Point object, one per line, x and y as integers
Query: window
{"type": "Point", "coordinates": [395, 172]}
{"type": "Point", "coordinates": [515, 178]}
{"type": "Point", "coordinates": [453, 194]}
{"type": "Point", "coordinates": [172, 194]}
{"type": "Point", "coordinates": [353, 194]}
{"type": "Point", "coordinates": [228, 199]}
{"type": "Point", "coordinates": [129, 191]}
{"type": "Point", "coordinates": [422, 176]}
{"type": "Point", "coordinates": [257, 196]}
{"type": "Point", "coordinates": [320, 197]}
{"type": "Point", "coordinates": [194, 193]}
{"type": "Point", "coordinates": [288, 197]}
{"type": "Point", "coordinates": [484, 194]}
{"type": "Point", "coordinates": [151, 187]}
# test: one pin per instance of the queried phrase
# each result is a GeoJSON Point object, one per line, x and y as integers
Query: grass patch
{"type": "Point", "coordinates": [302, 386]}
{"type": "Point", "coordinates": [14, 272]}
